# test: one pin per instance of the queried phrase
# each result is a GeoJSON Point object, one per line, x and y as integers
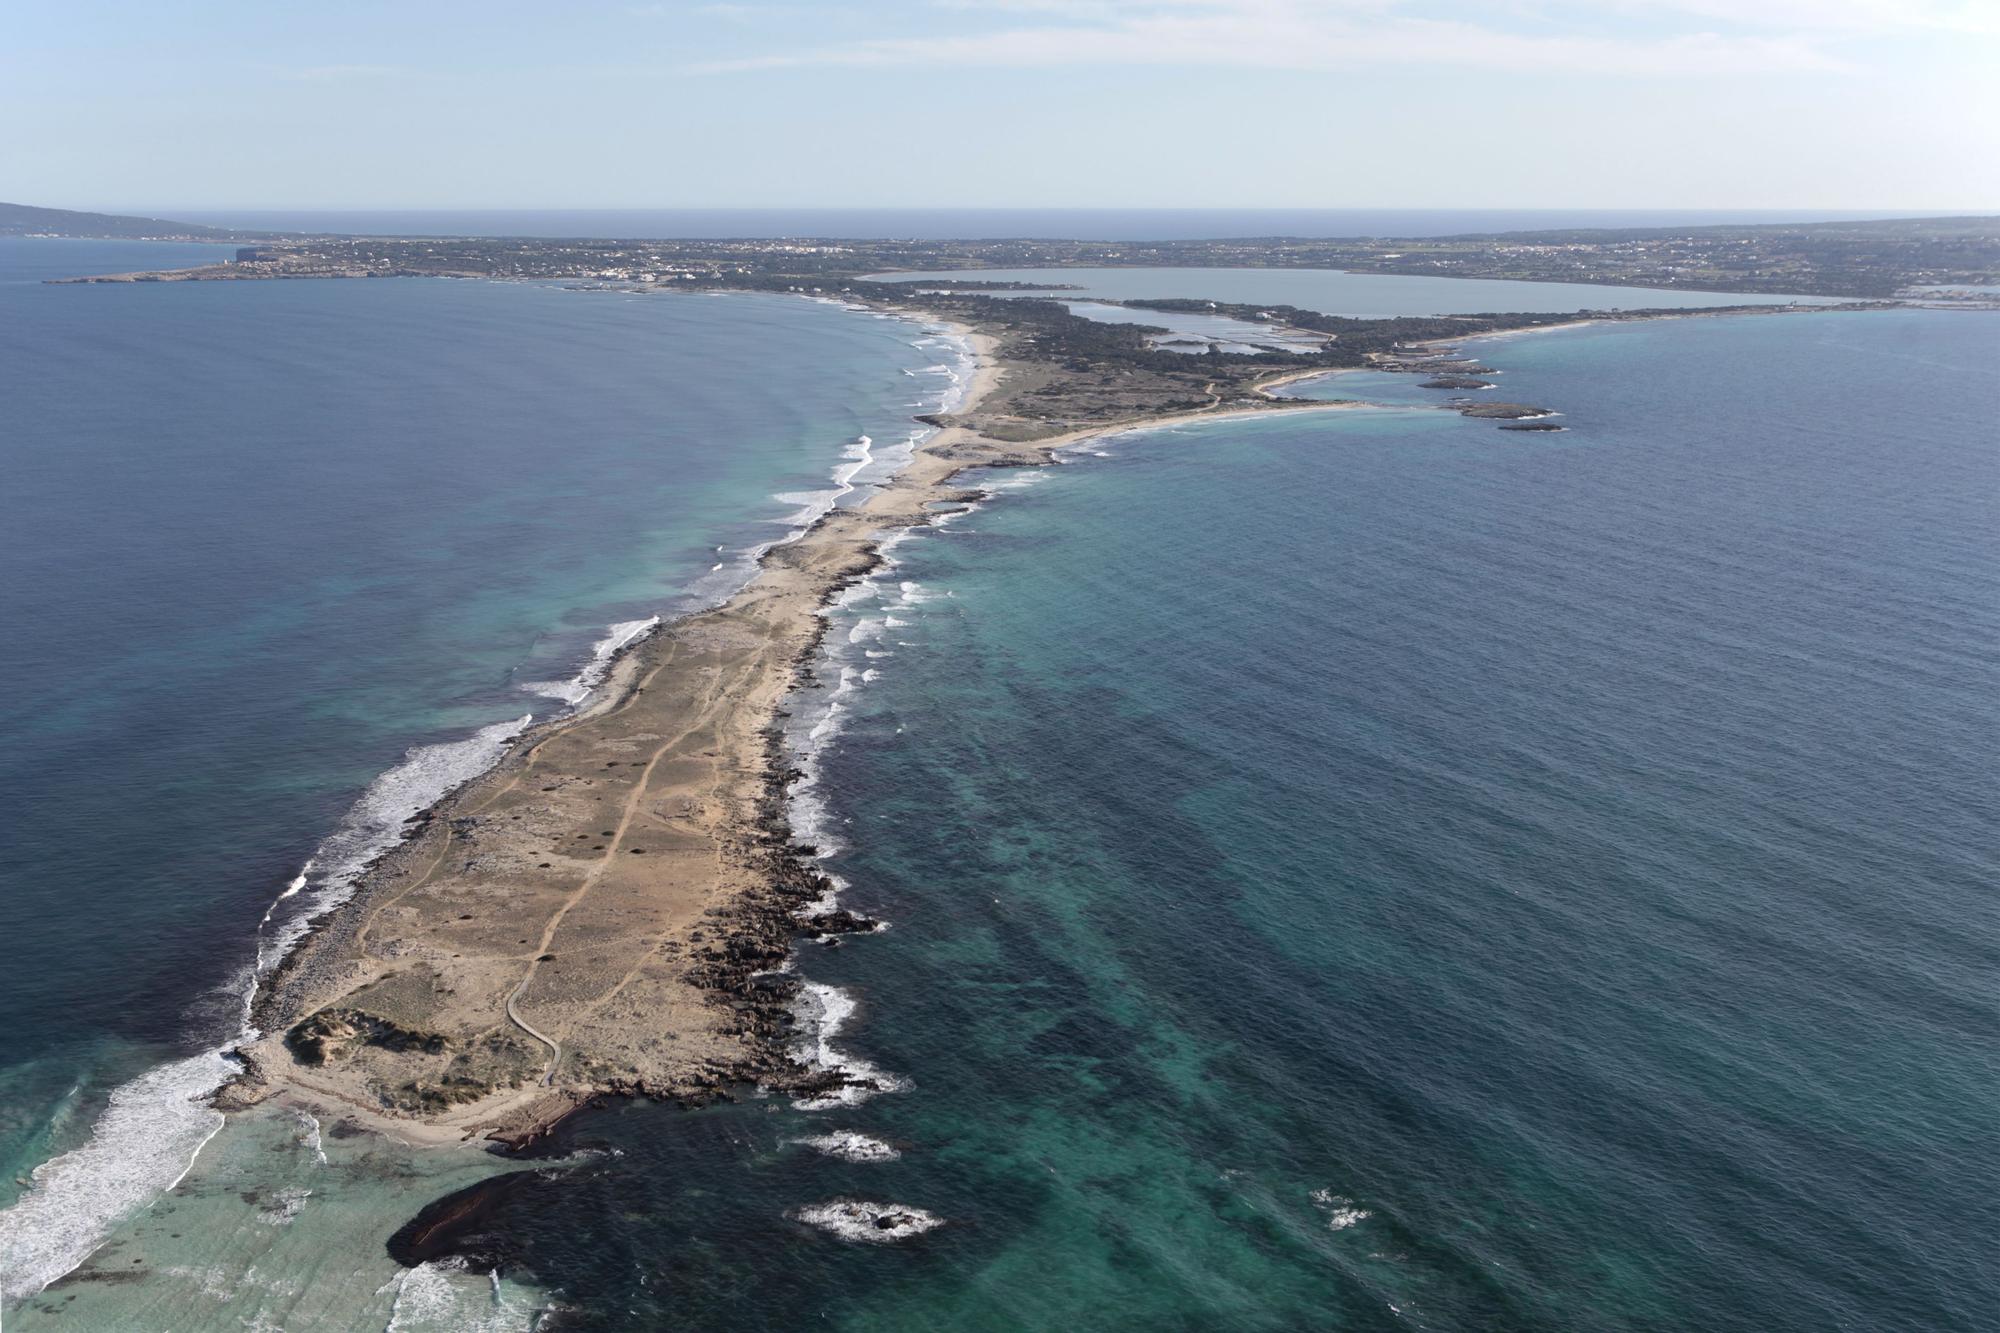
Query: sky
{"type": "Point", "coordinates": [1722, 104]}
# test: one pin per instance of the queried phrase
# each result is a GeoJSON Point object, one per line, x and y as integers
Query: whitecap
{"type": "Point", "coordinates": [1341, 1212]}
{"type": "Point", "coordinates": [873, 1223]}
{"type": "Point", "coordinates": [851, 1146]}
{"type": "Point", "coordinates": [577, 688]}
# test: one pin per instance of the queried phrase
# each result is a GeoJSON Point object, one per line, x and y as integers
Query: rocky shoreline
{"type": "Point", "coordinates": [378, 1014]}
{"type": "Point", "coordinates": [660, 976]}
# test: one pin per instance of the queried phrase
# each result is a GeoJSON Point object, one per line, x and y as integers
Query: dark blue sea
{"type": "Point", "coordinates": [1360, 869]}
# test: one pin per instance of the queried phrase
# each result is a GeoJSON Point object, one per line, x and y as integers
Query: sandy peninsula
{"type": "Point", "coordinates": [605, 911]}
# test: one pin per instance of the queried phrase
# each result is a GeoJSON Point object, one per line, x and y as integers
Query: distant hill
{"type": "Point", "coordinates": [25, 220]}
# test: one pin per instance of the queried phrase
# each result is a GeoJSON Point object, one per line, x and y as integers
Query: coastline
{"type": "Point", "coordinates": [969, 1147]}
{"type": "Point", "coordinates": [439, 1028]}
{"type": "Point", "coordinates": [486, 978]}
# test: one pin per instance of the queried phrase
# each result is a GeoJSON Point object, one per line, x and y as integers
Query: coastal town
{"type": "Point", "coordinates": [1935, 258]}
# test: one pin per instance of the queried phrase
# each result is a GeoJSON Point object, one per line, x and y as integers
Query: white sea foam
{"type": "Point", "coordinates": [807, 811]}
{"type": "Point", "coordinates": [1340, 1211]}
{"type": "Point", "coordinates": [858, 455]}
{"type": "Point", "coordinates": [292, 888]}
{"type": "Point", "coordinates": [285, 1206]}
{"type": "Point", "coordinates": [142, 1144]}
{"type": "Point", "coordinates": [147, 1136]}
{"type": "Point", "coordinates": [437, 1296]}
{"type": "Point", "coordinates": [849, 679]}
{"type": "Point", "coordinates": [812, 506]}
{"type": "Point", "coordinates": [821, 1011]}
{"type": "Point", "coordinates": [1025, 478]}
{"type": "Point", "coordinates": [808, 814]}
{"type": "Point", "coordinates": [873, 1223]}
{"type": "Point", "coordinates": [577, 688]}
{"type": "Point", "coordinates": [820, 906]}
{"type": "Point", "coordinates": [851, 1146]}
{"type": "Point", "coordinates": [379, 820]}
{"type": "Point", "coordinates": [212, 1281]}
{"type": "Point", "coordinates": [309, 1135]}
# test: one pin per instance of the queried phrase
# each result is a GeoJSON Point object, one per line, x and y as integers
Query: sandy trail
{"type": "Point", "coordinates": [602, 911]}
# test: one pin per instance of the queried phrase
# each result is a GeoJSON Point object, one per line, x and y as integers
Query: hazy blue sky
{"type": "Point", "coordinates": [1863, 104]}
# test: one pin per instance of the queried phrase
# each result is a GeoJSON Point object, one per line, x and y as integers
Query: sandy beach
{"type": "Point", "coordinates": [608, 911]}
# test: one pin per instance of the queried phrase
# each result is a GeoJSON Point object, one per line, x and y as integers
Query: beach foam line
{"type": "Point", "coordinates": [145, 1140]}
{"type": "Point", "coordinates": [815, 505]}
{"type": "Point", "coordinates": [806, 810]}
{"type": "Point", "coordinates": [379, 820]}
{"type": "Point", "coordinates": [821, 1011]}
{"type": "Point", "coordinates": [292, 888]}
{"type": "Point", "coordinates": [578, 688]}
{"type": "Point", "coordinates": [818, 719]}
{"type": "Point", "coordinates": [860, 454]}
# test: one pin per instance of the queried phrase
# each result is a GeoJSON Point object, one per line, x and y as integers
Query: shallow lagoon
{"type": "Point", "coordinates": [1358, 295]}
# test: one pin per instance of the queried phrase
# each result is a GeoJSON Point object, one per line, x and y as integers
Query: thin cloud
{"type": "Point", "coordinates": [1297, 35]}
{"type": "Point", "coordinates": [1839, 17]}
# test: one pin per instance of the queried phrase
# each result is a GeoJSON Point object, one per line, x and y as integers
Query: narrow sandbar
{"type": "Point", "coordinates": [607, 910]}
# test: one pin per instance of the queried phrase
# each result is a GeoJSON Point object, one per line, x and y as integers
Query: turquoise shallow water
{"type": "Point", "coordinates": [1356, 295]}
{"type": "Point", "coordinates": [1373, 870]}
